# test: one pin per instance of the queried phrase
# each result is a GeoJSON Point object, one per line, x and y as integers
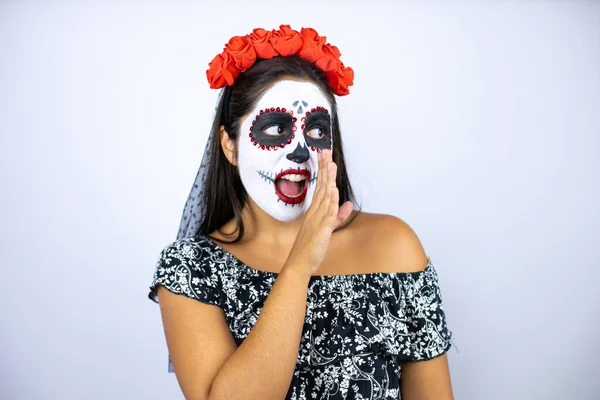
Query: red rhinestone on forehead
{"type": "Point", "coordinates": [291, 112]}
{"type": "Point", "coordinates": [294, 128]}
{"type": "Point", "coordinates": [318, 108]}
{"type": "Point", "coordinates": [289, 141]}
{"type": "Point", "coordinates": [302, 126]}
{"type": "Point", "coordinates": [278, 109]}
{"type": "Point", "coordinates": [303, 119]}
{"type": "Point", "coordinates": [260, 112]}
{"type": "Point", "coordinates": [318, 150]}
{"type": "Point", "coordinates": [294, 119]}
{"type": "Point", "coordinates": [272, 108]}
{"type": "Point", "coordinates": [283, 110]}
{"type": "Point", "coordinates": [293, 136]}
{"type": "Point", "coordinates": [307, 113]}
{"type": "Point", "coordinates": [282, 145]}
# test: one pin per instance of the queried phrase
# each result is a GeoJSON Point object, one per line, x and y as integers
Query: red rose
{"type": "Point", "coordinates": [331, 51]}
{"type": "Point", "coordinates": [339, 77]}
{"type": "Point", "coordinates": [345, 79]}
{"type": "Point", "coordinates": [222, 71]}
{"type": "Point", "coordinates": [242, 51]}
{"type": "Point", "coordinates": [286, 41]}
{"type": "Point", "coordinates": [312, 45]}
{"type": "Point", "coordinates": [261, 39]}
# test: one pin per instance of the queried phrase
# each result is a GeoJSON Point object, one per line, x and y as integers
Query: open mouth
{"type": "Point", "coordinates": [291, 185]}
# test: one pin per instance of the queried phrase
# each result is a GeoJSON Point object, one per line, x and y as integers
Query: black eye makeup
{"type": "Point", "coordinates": [272, 128]}
{"type": "Point", "coordinates": [317, 128]}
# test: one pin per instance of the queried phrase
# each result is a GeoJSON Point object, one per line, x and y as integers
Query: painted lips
{"type": "Point", "coordinates": [302, 195]}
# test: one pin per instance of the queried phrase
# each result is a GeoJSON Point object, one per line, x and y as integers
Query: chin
{"type": "Point", "coordinates": [283, 213]}
{"type": "Point", "coordinates": [287, 218]}
{"type": "Point", "coordinates": [288, 215]}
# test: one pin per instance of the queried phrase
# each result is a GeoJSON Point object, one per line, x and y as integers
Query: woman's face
{"type": "Point", "coordinates": [278, 145]}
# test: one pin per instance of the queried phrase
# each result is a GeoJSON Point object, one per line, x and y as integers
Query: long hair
{"type": "Point", "coordinates": [224, 193]}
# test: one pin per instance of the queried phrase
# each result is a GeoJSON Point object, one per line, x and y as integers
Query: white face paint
{"type": "Point", "coordinates": [278, 147]}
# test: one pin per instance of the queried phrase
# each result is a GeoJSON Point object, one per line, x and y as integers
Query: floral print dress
{"type": "Point", "coordinates": [358, 328]}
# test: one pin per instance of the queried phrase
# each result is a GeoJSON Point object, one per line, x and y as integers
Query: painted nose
{"type": "Point", "coordinates": [299, 155]}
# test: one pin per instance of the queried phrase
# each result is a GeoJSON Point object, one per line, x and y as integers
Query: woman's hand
{"type": "Point", "coordinates": [322, 217]}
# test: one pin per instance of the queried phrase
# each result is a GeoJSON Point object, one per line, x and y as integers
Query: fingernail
{"type": "Point", "coordinates": [328, 166]}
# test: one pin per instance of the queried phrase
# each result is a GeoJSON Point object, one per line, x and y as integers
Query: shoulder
{"type": "Point", "coordinates": [390, 241]}
{"type": "Point", "coordinates": [186, 267]}
{"type": "Point", "coordinates": [185, 249]}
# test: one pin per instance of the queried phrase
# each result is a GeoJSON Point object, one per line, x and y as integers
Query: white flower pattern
{"type": "Point", "coordinates": [358, 329]}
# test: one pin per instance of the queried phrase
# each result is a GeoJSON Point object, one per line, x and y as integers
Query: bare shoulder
{"type": "Point", "coordinates": [390, 242]}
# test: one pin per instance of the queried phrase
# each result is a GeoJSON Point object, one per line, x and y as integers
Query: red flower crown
{"type": "Point", "coordinates": [241, 52]}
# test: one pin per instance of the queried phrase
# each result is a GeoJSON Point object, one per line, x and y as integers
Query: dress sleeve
{"type": "Point", "coordinates": [428, 334]}
{"type": "Point", "coordinates": [184, 267]}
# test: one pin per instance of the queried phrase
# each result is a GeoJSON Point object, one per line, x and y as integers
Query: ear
{"type": "Point", "coordinates": [228, 146]}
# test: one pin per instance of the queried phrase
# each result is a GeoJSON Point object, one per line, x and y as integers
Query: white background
{"type": "Point", "coordinates": [476, 123]}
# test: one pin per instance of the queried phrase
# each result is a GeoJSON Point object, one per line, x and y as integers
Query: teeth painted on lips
{"type": "Point", "coordinates": [294, 177]}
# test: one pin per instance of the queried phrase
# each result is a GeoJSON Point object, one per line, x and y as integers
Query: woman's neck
{"type": "Point", "coordinates": [262, 228]}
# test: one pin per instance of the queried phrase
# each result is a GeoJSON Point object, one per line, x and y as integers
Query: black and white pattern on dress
{"type": "Point", "coordinates": [358, 328]}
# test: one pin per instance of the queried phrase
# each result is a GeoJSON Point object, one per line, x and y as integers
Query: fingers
{"type": "Point", "coordinates": [326, 196]}
{"type": "Point", "coordinates": [334, 199]}
{"type": "Point", "coordinates": [332, 172]}
{"type": "Point", "coordinates": [329, 169]}
{"type": "Point", "coordinates": [321, 180]}
{"type": "Point", "coordinates": [322, 176]}
{"type": "Point", "coordinates": [331, 199]}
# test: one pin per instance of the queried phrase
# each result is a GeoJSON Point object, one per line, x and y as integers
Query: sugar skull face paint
{"type": "Point", "coordinates": [278, 146]}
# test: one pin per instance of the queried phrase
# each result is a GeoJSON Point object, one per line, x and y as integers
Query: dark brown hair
{"type": "Point", "coordinates": [224, 194]}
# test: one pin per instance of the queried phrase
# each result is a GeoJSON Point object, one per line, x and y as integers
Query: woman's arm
{"type": "Point", "coordinates": [207, 363]}
{"type": "Point", "coordinates": [426, 380]}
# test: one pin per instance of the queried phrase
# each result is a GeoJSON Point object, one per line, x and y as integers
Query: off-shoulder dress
{"type": "Point", "coordinates": [358, 331]}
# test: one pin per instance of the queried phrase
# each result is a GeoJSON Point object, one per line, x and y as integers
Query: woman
{"type": "Point", "coordinates": [276, 287]}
